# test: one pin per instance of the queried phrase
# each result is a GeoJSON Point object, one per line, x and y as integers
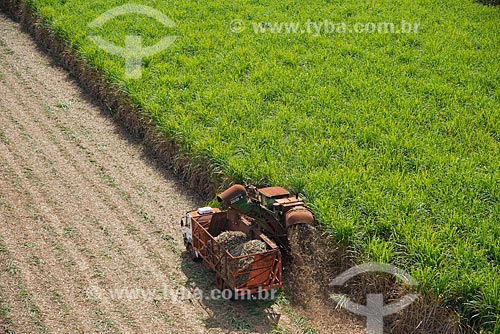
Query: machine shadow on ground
{"type": "Point", "coordinates": [256, 316]}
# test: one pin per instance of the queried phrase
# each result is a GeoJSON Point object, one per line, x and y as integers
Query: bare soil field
{"type": "Point", "coordinates": [86, 214]}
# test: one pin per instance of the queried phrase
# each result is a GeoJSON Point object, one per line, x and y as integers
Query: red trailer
{"type": "Point", "coordinates": [243, 275]}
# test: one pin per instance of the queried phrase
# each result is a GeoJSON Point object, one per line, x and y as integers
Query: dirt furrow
{"type": "Point", "coordinates": [58, 193]}
{"type": "Point", "coordinates": [57, 228]}
{"type": "Point", "coordinates": [37, 269]}
{"type": "Point", "coordinates": [139, 241]}
{"type": "Point", "coordinates": [16, 307]}
{"type": "Point", "coordinates": [116, 172]}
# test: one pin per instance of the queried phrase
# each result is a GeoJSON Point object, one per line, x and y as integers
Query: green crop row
{"type": "Point", "coordinates": [393, 138]}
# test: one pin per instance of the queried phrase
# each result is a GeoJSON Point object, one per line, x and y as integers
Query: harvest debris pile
{"type": "Point", "coordinates": [237, 244]}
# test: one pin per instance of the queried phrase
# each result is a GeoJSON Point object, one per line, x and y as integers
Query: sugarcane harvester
{"type": "Point", "coordinates": [273, 209]}
{"type": "Point", "coordinates": [259, 218]}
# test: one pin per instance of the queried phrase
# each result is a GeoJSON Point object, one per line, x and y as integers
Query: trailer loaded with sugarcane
{"type": "Point", "coordinates": [243, 242]}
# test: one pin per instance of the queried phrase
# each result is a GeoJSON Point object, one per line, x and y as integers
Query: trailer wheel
{"type": "Point", "coordinates": [192, 253]}
{"type": "Point", "coordinates": [231, 293]}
